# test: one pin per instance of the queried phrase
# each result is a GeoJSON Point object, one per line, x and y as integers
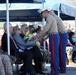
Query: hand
{"type": "Point", "coordinates": [34, 37]}
{"type": "Point", "coordinates": [21, 50]}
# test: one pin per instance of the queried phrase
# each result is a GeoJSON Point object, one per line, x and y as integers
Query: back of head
{"type": "Point", "coordinates": [5, 26]}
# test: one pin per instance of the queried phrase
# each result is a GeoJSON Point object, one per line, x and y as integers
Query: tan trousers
{"type": "Point", "coordinates": [5, 65]}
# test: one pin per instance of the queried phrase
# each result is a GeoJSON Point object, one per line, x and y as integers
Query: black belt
{"type": "Point", "coordinates": [62, 32]}
{"type": "Point", "coordinates": [53, 33]}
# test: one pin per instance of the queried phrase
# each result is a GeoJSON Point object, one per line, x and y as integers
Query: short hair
{"type": "Point", "coordinates": [5, 26]}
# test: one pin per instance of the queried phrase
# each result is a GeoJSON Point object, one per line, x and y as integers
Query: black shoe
{"type": "Point", "coordinates": [41, 73]}
{"type": "Point", "coordinates": [21, 73]}
{"type": "Point", "coordinates": [52, 74]}
{"type": "Point", "coordinates": [33, 73]}
{"type": "Point", "coordinates": [62, 71]}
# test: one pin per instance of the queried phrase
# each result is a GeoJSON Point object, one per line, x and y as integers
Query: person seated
{"type": "Point", "coordinates": [29, 35]}
{"type": "Point", "coordinates": [26, 56]}
{"type": "Point", "coordinates": [5, 64]}
{"type": "Point", "coordinates": [38, 59]}
{"type": "Point", "coordinates": [71, 37]}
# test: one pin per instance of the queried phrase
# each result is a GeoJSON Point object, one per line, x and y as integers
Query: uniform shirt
{"type": "Point", "coordinates": [60, 25]}
{"type": "Point", "coordinates": [50, 27]}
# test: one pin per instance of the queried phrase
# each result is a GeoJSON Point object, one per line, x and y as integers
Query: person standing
{"type": "Point", "coordinates": [63, 41]}
{"type": "Point", "coordinates": [51, 30]}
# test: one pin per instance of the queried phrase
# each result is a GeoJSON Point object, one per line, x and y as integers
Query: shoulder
{"type": "Point", "coordinates": [50, 17]}
{"type": "Point", "coordinates": [4, 35]}
{"type": "Point", "coordinates": [15, 36]}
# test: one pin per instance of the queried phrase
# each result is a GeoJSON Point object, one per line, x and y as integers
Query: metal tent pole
{"type": "Point", "coordinates": [44, 43]}
{"type": "Point", "coordinates": [75, 24]}
{"type": "Point", "coordinates": [59, 10]}
{"type": "Point", "coordinates": [43, 24]}
{"type": "Point", "coordinates": [7, 19]}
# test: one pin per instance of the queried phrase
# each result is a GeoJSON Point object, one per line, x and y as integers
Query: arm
{"type": "Point", "coordinates": [46, 27]}
{"type": "Point", "coordinates": [30, 43]}
{"type": "Point", "coordinates": [19, 40]}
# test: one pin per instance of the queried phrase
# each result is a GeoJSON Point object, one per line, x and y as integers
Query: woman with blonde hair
{"type": "Point", "coordinates": [23, 27]}
{"type": "Point", "coordinates": [21, 44]}
{"type": "Point", "coordinates": [38, 59]}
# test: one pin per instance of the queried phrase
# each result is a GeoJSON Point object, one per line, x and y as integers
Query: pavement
{"type": "Point", "coordinates": [70, 70]}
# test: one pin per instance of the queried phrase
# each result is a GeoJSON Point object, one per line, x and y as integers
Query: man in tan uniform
{"type": "Point", "coordinates": [63, 42]}
{"type": "Point", "coordinates": [51, 30]}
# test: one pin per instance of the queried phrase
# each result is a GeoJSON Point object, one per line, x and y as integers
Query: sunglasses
{"type": "Point", "coordinates": [18, 28]}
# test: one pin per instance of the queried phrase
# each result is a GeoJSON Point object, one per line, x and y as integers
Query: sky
{"type": "Point", "coordinates": [48, 3]}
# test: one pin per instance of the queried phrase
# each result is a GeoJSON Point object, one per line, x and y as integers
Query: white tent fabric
{"type": "Point", "coordinates": [68, 10]}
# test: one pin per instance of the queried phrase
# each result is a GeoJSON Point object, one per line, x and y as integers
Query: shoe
{"type": "Point", "coordinates": [62, 71]}
{"type": "Point", "coordinates": [52, 74]}
{"type": "Point", "coordinates": [33, 73]}
{"type": "Point", "coordinates": [21, 73]}
{"type": "Point", "coordinates": [41, 73]}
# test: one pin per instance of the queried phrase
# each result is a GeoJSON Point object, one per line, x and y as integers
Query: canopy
{"type": "Point", "coordinates": [27, 15]}
{"type": "Point", "coordinates": [7, 14]}
{"type": "Point", "coordinates": [22, 1]}
{"type": "Point", "coordinates": [68, 9]}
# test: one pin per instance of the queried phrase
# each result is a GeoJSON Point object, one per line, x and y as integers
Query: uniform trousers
{"type": "Point", "coordinates": [54, 40]}
{"type": "Point", "coordinates": [62, 51]}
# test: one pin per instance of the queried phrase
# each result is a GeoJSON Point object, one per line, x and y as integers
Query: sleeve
{"type": "Point", "coordinates": [13, 47]}
{"type": "Point", "coordinates": [4, 43]}
{"type": "Point", "coordinates": [30, 43]}
{"type": "Point", "coordinates": [46, 27]}
{"type": "Point", "coordinates": [19, 40]}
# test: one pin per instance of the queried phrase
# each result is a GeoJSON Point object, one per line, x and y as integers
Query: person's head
{"type": "Point", "coordinates": [71, 34]}
{"type": "Point", "coordinates": [51, 12]}
{"type": "Point", "coordinates": [43, 12]}
{"type": "Point", "coordinates": [31, 28]}
{"type": "Point", "coordinates": [10, 28]}
{"type": "Point", "coordinates": [24, 28]}
{"type": "Point", "coordinates": [16, 30]}
{"type": "Point", "coordinates": [37, 28]}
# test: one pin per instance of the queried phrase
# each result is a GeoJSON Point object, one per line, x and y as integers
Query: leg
{"type": "Point", "coordinates": [62, 51]}
{"type": "Point", "coordinates": [54, 48]}
{"type": "Point", "coordinates": [37, 66]}
{"type": "Point", "coordinates": [37, 53]}
{"type": "Point", "coordinates": [27, 58]}
{"type": "Point", "coordinates": [38, 59]}
{"type": "Point", "coordinates": [7, 65]}
{"type": "Point", "coordinates": [2, 72]}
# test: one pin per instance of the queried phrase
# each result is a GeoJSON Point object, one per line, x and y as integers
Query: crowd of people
{"type": "Point", "coordinates": [25, 43]}
{"type": "Point", "coordinates": [26, 50]}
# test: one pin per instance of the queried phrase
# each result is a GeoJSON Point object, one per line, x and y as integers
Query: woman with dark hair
{"type": "Point", "coordinates": [71, 36]}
